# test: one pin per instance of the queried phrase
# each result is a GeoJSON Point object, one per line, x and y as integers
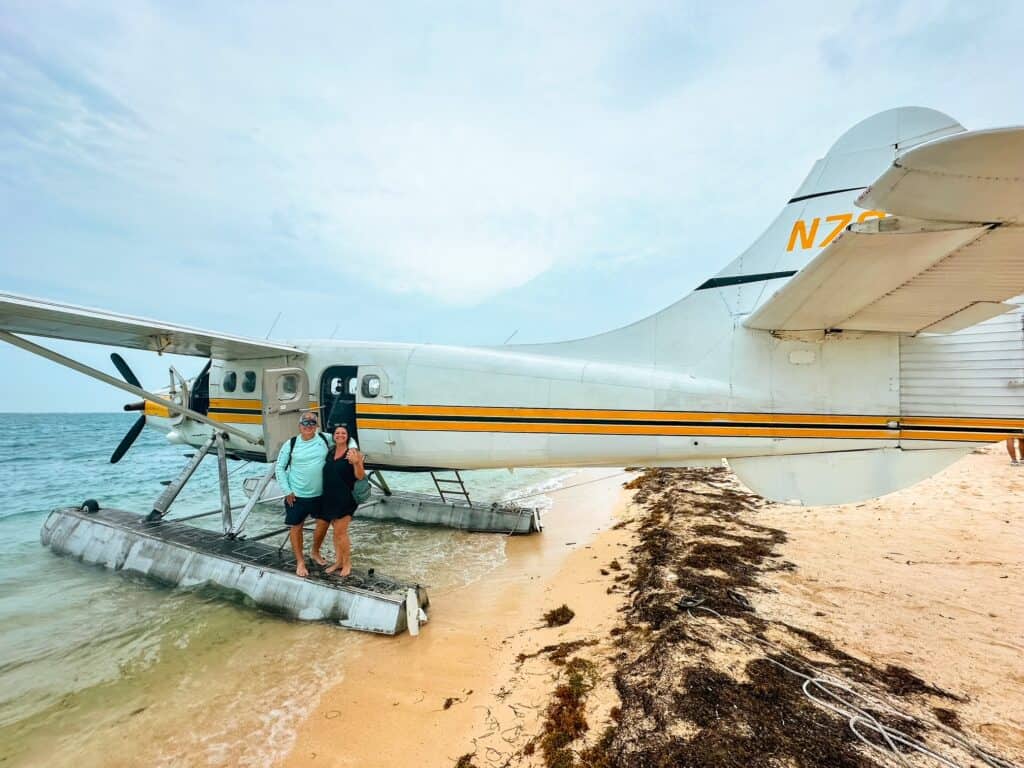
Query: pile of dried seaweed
{"type": "Point", "coordinates": [685, 701]}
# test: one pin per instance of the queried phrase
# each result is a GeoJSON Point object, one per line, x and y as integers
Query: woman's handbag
{"type": "Point", "coordinates": [361, 491]}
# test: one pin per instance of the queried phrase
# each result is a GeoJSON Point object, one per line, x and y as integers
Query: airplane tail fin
{"type": "Point", "coordinates": [811, 219]}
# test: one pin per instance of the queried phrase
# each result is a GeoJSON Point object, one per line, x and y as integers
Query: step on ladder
{"type": "Point", "coordinates": [446, 487]}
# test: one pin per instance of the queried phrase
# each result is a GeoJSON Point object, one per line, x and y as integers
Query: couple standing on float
{"type": "Point", "coordinates": [317, 479]}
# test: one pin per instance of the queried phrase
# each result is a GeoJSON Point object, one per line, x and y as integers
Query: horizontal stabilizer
{"type": "Point", "coordinates": [970, 176]}
{"type": "Point", "coordinates": [814, 479]}
{"type": "Point", "coordinates": [902, 275]}
{"type": "Point", "coordinates": [36, 317]}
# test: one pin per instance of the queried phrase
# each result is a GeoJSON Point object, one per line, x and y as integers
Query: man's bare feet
{"type": "Point", "coordinates": [318, 558]}
{"type": "Point", "coordinates": [332, 568]}
{"type": "Point", "coordinates": [301, 570]}
{"type": "Point", "coordinates": [345, 572]}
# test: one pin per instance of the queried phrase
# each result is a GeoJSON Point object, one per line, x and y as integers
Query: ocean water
{"type": "Point", "coordinates": [98, 668]}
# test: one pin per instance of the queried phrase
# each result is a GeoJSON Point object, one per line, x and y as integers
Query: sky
{"type": "Point", "coordinates": [452, 173]}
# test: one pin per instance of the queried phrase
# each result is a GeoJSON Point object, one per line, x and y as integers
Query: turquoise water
{"type": "Point", "coordinates": [98, 668]}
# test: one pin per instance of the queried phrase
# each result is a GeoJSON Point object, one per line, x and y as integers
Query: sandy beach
{"type": "Point", "coordinates": [437, 694]}
{"type": "Point", "coordinates": [914, 598]}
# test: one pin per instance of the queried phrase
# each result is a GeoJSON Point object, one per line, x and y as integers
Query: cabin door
{"type": "Point", "coordinates": [285, 395]}
{"type": "Point", "coordinates": [338, 387]}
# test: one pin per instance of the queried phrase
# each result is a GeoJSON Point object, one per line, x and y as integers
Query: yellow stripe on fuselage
{"type": "Point", "coordinates": [237, 418]}
{"type": "Point", "coordinates": [708, 424]}
{"type": "Point", "coordinates": [733, 424]}
{"type": "Point", "coordinates": [236, 402]}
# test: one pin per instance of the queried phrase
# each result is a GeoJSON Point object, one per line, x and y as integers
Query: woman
{"type": "Point", "coordinates": [342, 467]}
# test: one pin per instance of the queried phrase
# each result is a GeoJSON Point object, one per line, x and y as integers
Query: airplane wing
{"type": "Point", "coordinates": [37, 317]}
{"type": "Point", "coordinates": [948, 255]}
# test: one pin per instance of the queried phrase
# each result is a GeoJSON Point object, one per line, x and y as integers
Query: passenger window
{"type": "Point", "coordinates": [288, 387]}
{"type": "Point", "coordinates": [249, 381]}
{"type": "Point", "coordinates": [371, 385]}
{"type": "Point", "coordinates": [229, 382]}
{"type": "Point", "coordinates": [353, 385]}
{"type": "Point", "coordinates": [337, 385]}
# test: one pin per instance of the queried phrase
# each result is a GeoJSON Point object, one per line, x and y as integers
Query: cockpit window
{"type": "Point", "coordinates": [249, 381]}
{"type": "Point", "coordinates": [229, 382]}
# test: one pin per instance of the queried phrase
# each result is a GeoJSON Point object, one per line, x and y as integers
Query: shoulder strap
{"type": "Point", "coordinates": [324, 438]}
{"type": "Point", "coordinates": [291, 450]}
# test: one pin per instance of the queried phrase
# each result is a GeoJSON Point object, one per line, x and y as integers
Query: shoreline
{"type": "Point", "coordinates": [401, 686]}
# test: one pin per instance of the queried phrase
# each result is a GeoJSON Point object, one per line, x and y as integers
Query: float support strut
{"type": "Point", "coordinates": [170, 493]}
{"type": "Point", "coordinates": [222, 474]}
{"type": "Point", "coordinates": [254, 499]}
{"type": "Point", "coordinates": [377, 479]}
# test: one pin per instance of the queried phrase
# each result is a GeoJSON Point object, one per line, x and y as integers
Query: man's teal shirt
{"type": "Point", "coordinates": [305, 477]}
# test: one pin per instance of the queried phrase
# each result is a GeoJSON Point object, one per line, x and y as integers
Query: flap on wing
{"type": "Point", "coordinates": [36, 317]}
{"type": "Point", "coordinates": [902, 276]}
{"type": "Point", "coordinates": [971, 176]}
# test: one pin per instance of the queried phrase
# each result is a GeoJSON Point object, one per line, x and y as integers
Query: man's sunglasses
{"type": "Point", "coordinates": [307, 422]}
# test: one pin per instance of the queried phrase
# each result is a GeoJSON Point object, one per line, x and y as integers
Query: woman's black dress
{"type": "Point", "coordinates": [339, 479]}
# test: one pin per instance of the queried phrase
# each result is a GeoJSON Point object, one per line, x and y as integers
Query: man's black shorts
{"type": "Point", "coordinates": [297, 513]}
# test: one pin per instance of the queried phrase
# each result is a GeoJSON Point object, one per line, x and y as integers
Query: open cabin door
{"type": "Point", "coordinates": [285, 394]}
{"type": "Point", "coordinates": [338, 387]}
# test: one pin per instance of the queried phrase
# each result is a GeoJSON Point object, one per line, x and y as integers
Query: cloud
{"type": "Point", "coordinates": [451, 155]}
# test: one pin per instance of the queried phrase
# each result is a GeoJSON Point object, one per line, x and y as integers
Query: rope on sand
{"type": "Point", "coordinates": [565, 487]}
{"type": "Point", "coordinates": [834, 695]}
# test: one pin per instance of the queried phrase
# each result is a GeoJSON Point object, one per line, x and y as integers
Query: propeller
{"type": "Point", "coordinates": [126, 442]}
{"type": "Point", "coordinates": [126, 373]}
{"type": "Point", "coordinates": [128, 439]}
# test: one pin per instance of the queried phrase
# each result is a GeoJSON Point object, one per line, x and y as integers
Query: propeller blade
{"type": "Point", "coordinates": [124, 370]}
{"type": "Point", "coordinates": [128, 439]}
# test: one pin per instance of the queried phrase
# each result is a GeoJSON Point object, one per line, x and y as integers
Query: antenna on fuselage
{"type": "Point", "coordinates": [273, 325]}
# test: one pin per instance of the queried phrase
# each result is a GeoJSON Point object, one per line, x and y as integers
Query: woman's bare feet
{"type": "Point", "coordinates": [301, 570]}
{"type": "Point", "coordinates": [336, 568]}
{"type": "Point", "coordinates": [318, 558]}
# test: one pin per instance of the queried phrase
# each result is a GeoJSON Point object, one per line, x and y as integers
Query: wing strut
{"type": "Point", "coordinates": [67, 362]}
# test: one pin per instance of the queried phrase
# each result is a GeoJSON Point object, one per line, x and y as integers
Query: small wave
{"type": "Point", "coordinates": [534, 495]}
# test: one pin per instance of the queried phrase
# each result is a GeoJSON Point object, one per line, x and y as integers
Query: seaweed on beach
{"type": "Point", "coordinates": [557, 653]}
{"type": "Point", "coordinates": [559, 617]}
{"type": "Point", "coordinates": [947, 717]}
{"type": "Point", "coordinates": [565, 719]}
{"type": "Point", "coordinates": [698, 539]}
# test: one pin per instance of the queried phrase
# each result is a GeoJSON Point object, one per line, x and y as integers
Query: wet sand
{"type": "Point", "coordinates": [917, 596]}
{"type": "Point", "coordinates": [390, 708]}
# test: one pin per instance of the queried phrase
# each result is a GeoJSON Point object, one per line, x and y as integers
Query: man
{"type": "Point", "coordinates": [300, 466]}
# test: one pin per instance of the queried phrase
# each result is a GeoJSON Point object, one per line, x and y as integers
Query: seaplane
{"type": "Point", "coordinates": [865, 341]}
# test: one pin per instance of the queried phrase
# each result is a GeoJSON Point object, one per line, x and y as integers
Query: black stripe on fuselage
{"type": "Point", "coordinates": [608, 422]}
{"type": "Point", "coordinates": [759, 277]}
{"type": "Point", "coordinates": [823, 194]}
{"type": "Point", "coordinates": [247, 411]}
